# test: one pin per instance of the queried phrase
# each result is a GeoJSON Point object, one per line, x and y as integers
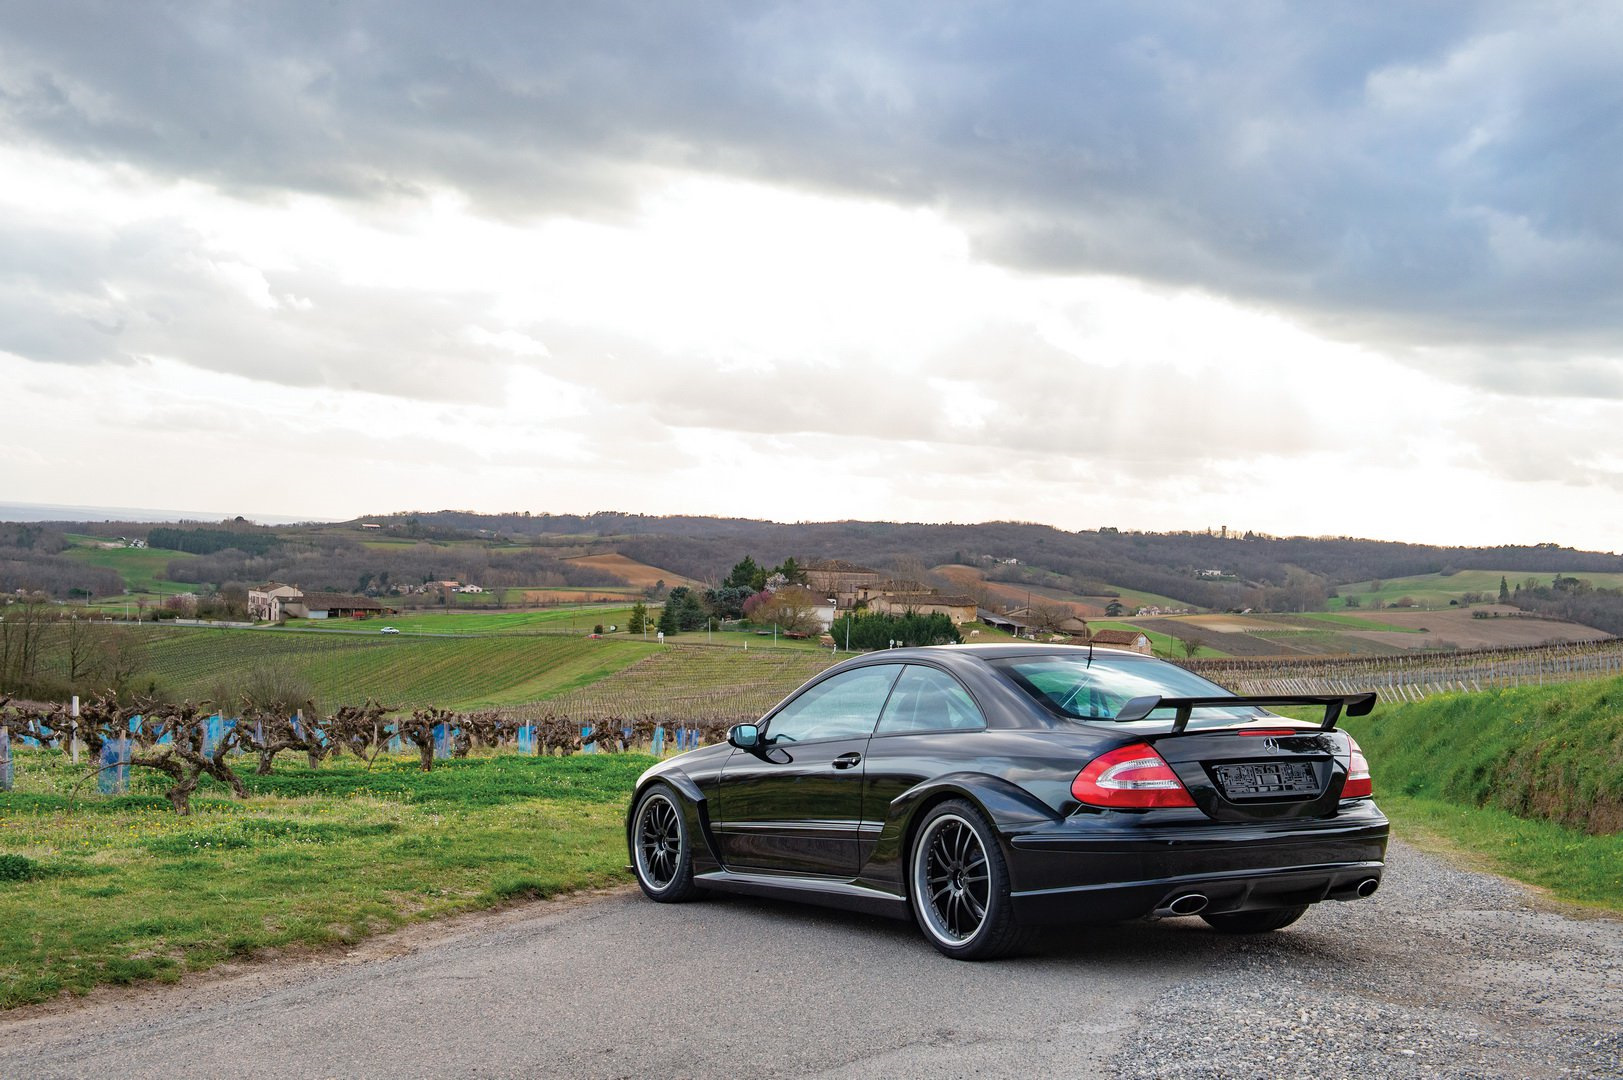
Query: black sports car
{"type": "Point", "coordinates": [990, 789]}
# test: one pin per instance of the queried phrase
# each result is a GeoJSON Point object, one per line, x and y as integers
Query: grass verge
{"type": "Point", "coordinates": [118, 889]}
{"type": "Point", "coordinates": [1528, 781]}
{"type": "Point", "coordinates": [1570, 865]}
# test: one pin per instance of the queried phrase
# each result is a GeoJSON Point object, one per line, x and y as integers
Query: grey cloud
{"type": "Point", "coordinates": [1441, 175]}
{"type": "Point", "coordinates": [1031, 398]}
{"type": "Point", "coordinates": [154, 290]}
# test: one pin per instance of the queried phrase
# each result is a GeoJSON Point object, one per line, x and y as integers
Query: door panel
{"type": "Point", "coordinates": [795, 804]}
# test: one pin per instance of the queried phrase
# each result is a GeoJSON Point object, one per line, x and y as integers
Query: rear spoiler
{"type": "Point", "coordinates": [1333, 705]}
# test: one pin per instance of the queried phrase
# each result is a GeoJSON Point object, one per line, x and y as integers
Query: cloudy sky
{"type": "Point", "coordinates": [1307, 269]}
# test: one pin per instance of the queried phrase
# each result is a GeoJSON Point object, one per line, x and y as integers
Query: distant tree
{"type": "Point", "coordinates": [1351, 600]}
{"type": "Point", "coordinates": [792, 609]}
{"type": "Point", "coordinates": [1190, 646]}
{"type": "Point", "coordinates": [1047, 618]}
{"type": "Point", "coordinates": [1115, 609]}
{"type": "Point", "coordinates": [878, 631]}
{"type": "Point", "coordinates": [639, 618]}
{"type": "Point", "coordinates": [686, 609]}
{"type": "Point", "coordinates": [746, 574]}
{"type": "Point", "coordinates": [667, 619]}
{"type": "Point", "coordinates": [1504, 590]}
{"type": "Point", "coordinates": [727, 602]}
{"type": "Point", "coordinates": [791, 571]}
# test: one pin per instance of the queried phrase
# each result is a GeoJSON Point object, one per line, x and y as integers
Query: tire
{"type": "Point", "coordinates": [958, 884]}
{"type": "Point", "coordinates": [1254, 922]}
{"type": "Point", "coordinates": [661, 848]}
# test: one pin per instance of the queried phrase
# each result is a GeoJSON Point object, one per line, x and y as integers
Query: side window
{"type": "Point", "coordinates": [929, 700]}
{"type": "Point", "coordinates": [844, 707]}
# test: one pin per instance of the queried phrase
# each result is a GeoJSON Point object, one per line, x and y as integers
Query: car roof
{"type": "Point", "coordinates": [1001, 650]}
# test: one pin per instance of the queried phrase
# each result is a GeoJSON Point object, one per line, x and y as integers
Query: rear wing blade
{"type": "Point", "coordinates": [1334, 705]}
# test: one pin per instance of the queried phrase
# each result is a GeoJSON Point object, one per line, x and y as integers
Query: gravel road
{"type": "Point", "coordinates": [1444, 973]}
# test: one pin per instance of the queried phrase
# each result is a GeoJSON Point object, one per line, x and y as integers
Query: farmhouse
{"type": "Point", "coordinates": [273, 602]}
{"type": "Point", "coordinates": [266, 602]}
{"type": "Point", "coordinates": [840, 579]}
{"type": "Point", "coordinates": [960, 609]}
{"type": "Point", "coordinates": [326, 605]}
{"type": "Point", "coordinates": [1136, 640]}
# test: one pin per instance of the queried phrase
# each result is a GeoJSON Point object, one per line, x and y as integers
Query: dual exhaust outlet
{"type": "Point", "coordinates": [1194, 903]}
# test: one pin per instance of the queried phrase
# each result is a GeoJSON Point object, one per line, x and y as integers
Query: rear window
{"type": "Point", "coordinates": [1082, 689]}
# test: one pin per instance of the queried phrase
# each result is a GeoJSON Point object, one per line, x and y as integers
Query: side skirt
{"type": "Point", "coordinates": [829, 893]}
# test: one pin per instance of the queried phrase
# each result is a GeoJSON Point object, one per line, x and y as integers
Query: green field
{"type": "Point", "coordinates": [1436, 590]}
{"type": "Point", "coordinates": [143, 569]}
{"type": "Point", "coordinates": [119, 889]}
{"type": "Point", "coordinates": [691, 681]}
{"type": "Point", "coordinates": [405, 670]}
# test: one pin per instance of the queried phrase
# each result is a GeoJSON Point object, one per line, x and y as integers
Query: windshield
{"type": "Point", "coordinates": [1079, 689]}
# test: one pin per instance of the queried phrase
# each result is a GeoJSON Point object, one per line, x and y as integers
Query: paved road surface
{"type": "Point", "coordinates": [1443, 973]}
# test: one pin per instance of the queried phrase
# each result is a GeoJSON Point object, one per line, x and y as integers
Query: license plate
{"type": "Point", "coordinates": [1262, 779]}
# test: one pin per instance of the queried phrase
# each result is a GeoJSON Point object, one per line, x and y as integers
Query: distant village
{"type": "Point", "coordinates": [848, 587]}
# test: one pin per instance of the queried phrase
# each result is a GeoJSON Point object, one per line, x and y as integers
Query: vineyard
{"type": "Point", "coordinates": [461, 673]}
{"type": "Point", "coordinates": [692, 683]}
{"type": "Point", "coordinates": [1413, 676]}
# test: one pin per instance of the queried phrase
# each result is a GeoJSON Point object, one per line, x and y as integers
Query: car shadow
{"type": "Point", "coordinates": [1122, 945]}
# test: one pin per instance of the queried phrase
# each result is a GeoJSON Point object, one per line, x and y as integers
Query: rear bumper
{"type": "Point", "coordinates": [1099, 871]}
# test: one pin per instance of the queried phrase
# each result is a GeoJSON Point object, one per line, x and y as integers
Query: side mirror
{"type": "Point", "coordinates": [745, 736]}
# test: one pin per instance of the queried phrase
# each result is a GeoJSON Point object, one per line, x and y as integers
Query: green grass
{"type": "Point", "coordinates": [1530, 778]}
{"type": "Point", "coordinates": [457, 673]}
{"type": "Point", "coordinates": [1554, 752]}
{"type": "Point", "coordinates": [579, 617]}
{"type": "Point", "coordinates": [1570, 864]}
{"type": "Point", "coordinates": [121, 890]}
{"type": "Point", "coordinates": [144, 570]}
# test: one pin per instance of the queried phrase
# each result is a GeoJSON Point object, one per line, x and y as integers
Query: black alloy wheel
{"type": "Point", "coordinates": [959, 885]}
{"type": "Point", "coordinates": [661, 852]}
{"type": "Point", "coordinates": [1254, 922]}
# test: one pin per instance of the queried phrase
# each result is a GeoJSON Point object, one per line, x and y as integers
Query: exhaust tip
{"type": "Point", "coordinates": [1188, 904]}
{"type": "Point", "coordinates": [1368, 886]}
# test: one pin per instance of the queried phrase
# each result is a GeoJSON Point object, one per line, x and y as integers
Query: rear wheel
{"type": "Point", "coordinates": [661, 849]}
{"type": "Point", "coordinates": [959, 885]}
{"type": "Point", "coordinates": [1254, 922]}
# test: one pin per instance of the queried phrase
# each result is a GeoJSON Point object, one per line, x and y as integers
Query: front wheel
{"type": "Point", "coordinates": [661, 849]}
{"type": "Point", "coordinates": [1254, 922]}
{"type": "Point", "coordinates": [959, 885]}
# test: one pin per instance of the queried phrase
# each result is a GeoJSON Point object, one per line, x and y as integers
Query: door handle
{"type": "Point", "coordinates": [845, 761]}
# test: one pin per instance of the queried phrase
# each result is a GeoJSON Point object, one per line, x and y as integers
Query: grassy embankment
{"type": "Point", "coordinates": [99, 890]}
{"type": "Point", "coordinates": [1527, 781]}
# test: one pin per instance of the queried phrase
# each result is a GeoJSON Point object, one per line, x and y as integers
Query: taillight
{"type": "Point", "coordinates": [1133, 776]}
{"type": "Point", "coordinates": [1359, 785]}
